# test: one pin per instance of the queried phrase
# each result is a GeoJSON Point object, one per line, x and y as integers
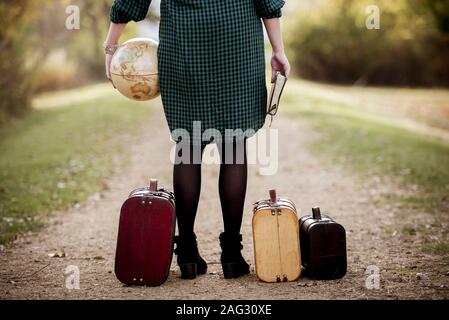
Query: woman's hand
{"type": "Point", "coordinates": [108, 60]}
{"type": "Point", "coordinates": [279, 63]}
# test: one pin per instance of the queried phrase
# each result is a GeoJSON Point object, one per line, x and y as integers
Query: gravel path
{"type": "Point", "coordinates": [87, 234]}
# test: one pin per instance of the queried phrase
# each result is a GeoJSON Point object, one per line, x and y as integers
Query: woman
{"type": "Point", "coordinates": [212, 77]}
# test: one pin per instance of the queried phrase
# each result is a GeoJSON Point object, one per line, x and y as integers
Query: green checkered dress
{"type": "Point", "coordinates": [211, 65]}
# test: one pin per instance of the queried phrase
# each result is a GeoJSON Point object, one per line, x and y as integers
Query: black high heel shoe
{"type": "Point", "coordinates": [189, 260]}
{"type": "Point", "coordinates": [232, 261]}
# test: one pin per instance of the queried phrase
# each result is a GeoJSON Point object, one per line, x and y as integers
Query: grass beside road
{"type": "Point", "coordinates": [60, 153]}
{"type": "Point", "coordinates": [373, 145]}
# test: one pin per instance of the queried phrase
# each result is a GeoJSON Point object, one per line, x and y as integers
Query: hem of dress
{"type": "Point", "coordinates": [249, 133]}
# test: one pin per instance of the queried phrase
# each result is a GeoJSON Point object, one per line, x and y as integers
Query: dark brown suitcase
{"type": "Point", "coordinates": [323, 247]}
{"type": "Point", "coordinates": [145, 238]}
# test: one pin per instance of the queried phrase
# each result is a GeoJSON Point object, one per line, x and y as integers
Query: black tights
{"type": "Point", "coordinates": [232, 185]}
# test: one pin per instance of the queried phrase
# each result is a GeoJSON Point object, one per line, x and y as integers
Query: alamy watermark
{"type": "Point", "coordinates": [262, 149]}
{"type": "Point", "coordinates": [72, 278]}
{"type": "Point", "coordinates": [73, 21]}
{"type": "Point", "coordinates": [372, 22]}
{"type": "Point", "coordinates": [372, 281]}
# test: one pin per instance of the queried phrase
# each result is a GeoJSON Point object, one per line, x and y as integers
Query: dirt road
{"type": "Point", "coordinates": [88, 233]}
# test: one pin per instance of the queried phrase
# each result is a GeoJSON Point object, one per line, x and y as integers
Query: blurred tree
{"type": "Point", "coordinates": [38, 52]}
{"type": "Point", "coordinates": [77, 55]}
{"type": "Point", "coordinates": [439, 10]}
{"type": "Point", "coordinates": [329, 42]}
{"type": "Point", "coordinates": [15, 87]}
{"type": "Point", "coordinates": [88, 46]}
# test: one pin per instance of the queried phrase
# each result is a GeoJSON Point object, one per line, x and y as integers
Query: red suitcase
{"type": "Point", "coordinates": [145, 237]}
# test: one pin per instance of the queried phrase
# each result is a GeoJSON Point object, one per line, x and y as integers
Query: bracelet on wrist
{"type": "Point", "coordinates": [110, 48]}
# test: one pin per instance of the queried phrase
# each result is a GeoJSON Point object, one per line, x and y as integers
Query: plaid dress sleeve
{"type": "Point", "coordinates": [269, 8]}
{"type": "Point", "coordinates": [123, 11]}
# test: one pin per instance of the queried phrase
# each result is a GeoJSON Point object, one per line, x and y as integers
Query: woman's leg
{"type": "Point", "coordinates": [232, 185]}
{"type": "Point", "coordinates": [187, 186]}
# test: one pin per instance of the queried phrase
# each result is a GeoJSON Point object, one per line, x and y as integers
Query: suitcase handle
{"type": "Point", "coordinates": [316, 213]}
{"type": "Point", "coordinates": [273, 197]}
{"type": "Point", "coordinates": [153, 185]}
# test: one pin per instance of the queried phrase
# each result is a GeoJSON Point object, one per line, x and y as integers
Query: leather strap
{"type": "Point", "coordinates": [316, 213]}
{"type": "Point", "coordinates": [273, 197]}
{"type": "Point", "coordinates": [153, 185]}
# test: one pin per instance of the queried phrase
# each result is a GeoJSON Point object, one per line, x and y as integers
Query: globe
{"type": "Point", "coordinates": [134, 69]}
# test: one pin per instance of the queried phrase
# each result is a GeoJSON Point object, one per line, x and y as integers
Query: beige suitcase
{"type": "Point", "coordinates": [276, 240]}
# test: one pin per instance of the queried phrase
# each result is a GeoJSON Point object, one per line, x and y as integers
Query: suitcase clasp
{"type": "Point", "coordinates": [276, 210]}
{"type": "Point", "coordinates": [146, 201]}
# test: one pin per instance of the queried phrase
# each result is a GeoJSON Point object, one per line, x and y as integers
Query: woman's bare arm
{"type": "Point", "coordinates": [115, 31]}
{"type": "Point", "coordinates": [279, 61]}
